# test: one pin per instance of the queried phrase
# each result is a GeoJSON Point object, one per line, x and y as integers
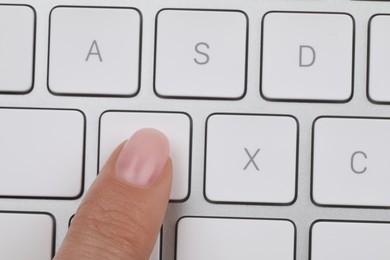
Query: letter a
{"type": "Point", "coordinates": [301, 52]}
{"type": "Point", "coordinates": [94, 50]}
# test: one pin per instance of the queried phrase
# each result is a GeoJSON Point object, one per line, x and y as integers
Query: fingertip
{"type": "Point", "coordinates": [143, 158]}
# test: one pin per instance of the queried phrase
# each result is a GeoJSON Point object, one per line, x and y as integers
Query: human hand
{"type": "Point", "coordinates": [122, 213]}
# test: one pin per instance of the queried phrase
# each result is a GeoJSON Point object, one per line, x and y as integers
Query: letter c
{"type": "Point", "coordinates": [353, 157]}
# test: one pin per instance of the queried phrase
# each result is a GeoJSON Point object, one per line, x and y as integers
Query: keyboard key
{"type": "Point", "coordinates": [116, 127]}
{"type": "Point", "coordinates": [350, 162]}
{"type": "Point", "coordinates": [254, 161]}
{"type": "Point", "coordinates": [201, 54]}
{"type": "Point", "coordinates": [232, 239]}
{"type": "Point", "coordinates": [94, 51]}
{"type": "Point", "coordinates": [41, 153]}
{"type": "Point", "coordinates": [378, 59]}
{"type": "Point", "coordinates": [26, 236]}
{"type": "Point", "coordinates": [17, 30]}
{"type": "Point", "coordinates": [307, 56]}
{"type": "Point", "coordinates": [350, 240]}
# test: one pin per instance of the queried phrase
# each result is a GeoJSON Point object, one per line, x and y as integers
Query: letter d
{"type": "Point", "coordinates": [307, 56]}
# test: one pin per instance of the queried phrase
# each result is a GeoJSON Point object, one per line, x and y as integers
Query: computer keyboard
{"type": "Point", "coordinates": [277, 112]}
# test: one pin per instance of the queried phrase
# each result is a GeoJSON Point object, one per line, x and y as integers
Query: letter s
{"type": "Point", "coordinates": [197, 49]}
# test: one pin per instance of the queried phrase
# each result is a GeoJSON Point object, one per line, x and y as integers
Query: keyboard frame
{"type": "Point", "coordinates": [199, 110]}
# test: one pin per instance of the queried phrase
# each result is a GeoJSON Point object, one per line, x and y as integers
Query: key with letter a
{"type": "Point", "coordinates": [94, 51]}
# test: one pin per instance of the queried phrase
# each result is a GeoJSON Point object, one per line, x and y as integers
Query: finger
{"type": "Point", "coordinates": [122, 213]}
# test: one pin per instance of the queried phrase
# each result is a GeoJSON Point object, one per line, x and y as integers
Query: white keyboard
{"type": "Point", "coordinates": [277, 111]}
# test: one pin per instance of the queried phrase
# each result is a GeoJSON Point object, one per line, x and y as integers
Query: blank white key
{"type": "Point", "coordinates": [379, 62]}
{"type": "Point", "coordinates": [307, 56]}
{"type": "Point", "coordinates": [251, 158]}
{"type": "Point", "coordinates": [41, 153]}
{"type": "Point", "coordinates": [115, 127]}
{"type": "Point", "coordinates": [351, 162]}
{"type": "Point", "coordinates": [94, 51]}
{"type": "Point", "coordinates": [26, 236]}
{"type": "Point", "coordinates": [201, 54]}
{"type": "Point", "coordinates": [232, 239]}
{"type": "Point", "coordinates": [17, 25]}
{"type": "Point", "coordinates": [350, 240]}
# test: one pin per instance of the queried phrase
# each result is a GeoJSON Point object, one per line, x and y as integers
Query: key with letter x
{"type": "Point", "coordinates": [234, 171]}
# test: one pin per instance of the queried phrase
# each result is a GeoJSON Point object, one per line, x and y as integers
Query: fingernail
{"type": "Point", "coordinates": [143, 158]}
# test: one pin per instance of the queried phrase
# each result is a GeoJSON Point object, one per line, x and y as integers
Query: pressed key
{"type": "Point", "coordinates": [17, 30]}
{"type": "Point", "coordinates": [26, 236]}
{"type": "Point", "coordinates": [94, 51]}
{"type": "Point", "coordinates": [201, 54]}
{"type": "Point", "coordinates": [233, 239]}
{"type": "Point", "coordinates": [41, 153]}
{"type": "Point", "coordinates": [307, 56]}
{"type": "Point", "coordinates": [350, 240]}
{"type": "Point", "coordinates": [116, 127]}
{"type": "Point", "coordinates": [251, 158]}
{"type": "Point", "coordinates": [351, 162]}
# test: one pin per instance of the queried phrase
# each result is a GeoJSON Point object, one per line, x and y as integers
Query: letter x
{"type": "Point", "coordinates": [251, 159]}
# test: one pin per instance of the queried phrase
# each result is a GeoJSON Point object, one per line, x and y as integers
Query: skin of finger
{"type": "Point", "coordinates": [117, 220]}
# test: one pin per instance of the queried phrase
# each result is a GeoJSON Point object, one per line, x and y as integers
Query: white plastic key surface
{"type": "Point", "coordinates": [94, 51]}
{"type": "Point", "coordinates": [307, 56]}
{"type": "Point", "coordinates": [379, 61]}
{"type": "Point", "coordinates": [26, 236]}
{"type": "Point", "coordinates": [251, 158]}
{"type": "Point", "coordinates": [350, 240]}
{"type": "Point", "coordinates": [201, 54]}
{"type": "Point", "coordinates": [16, 48]}
{"type": "Point", "coordinates": [116, 127]}
{"type": "Point", "coordinates": [351, 162]}
{"type": "Point", "coordinates": [232, 239]}
{"type": "Point", "coordinates": [41, 153]}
